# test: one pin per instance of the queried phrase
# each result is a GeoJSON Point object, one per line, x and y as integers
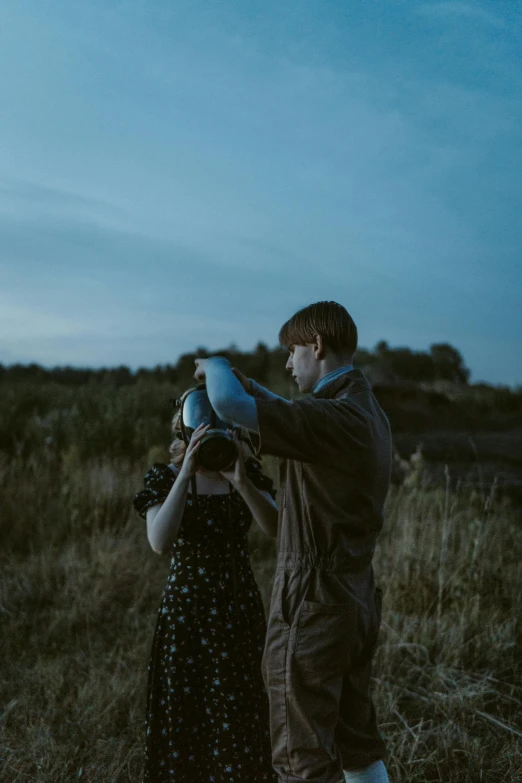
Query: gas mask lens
{"type": "Point", "coordinates": [217, 450]}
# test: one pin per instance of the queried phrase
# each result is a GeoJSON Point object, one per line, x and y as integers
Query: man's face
{"type": "Point", "coordinates": [304, 366]}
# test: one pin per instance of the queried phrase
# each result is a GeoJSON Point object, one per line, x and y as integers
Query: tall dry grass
{"type": "Point", "coordinates": [80, 588]}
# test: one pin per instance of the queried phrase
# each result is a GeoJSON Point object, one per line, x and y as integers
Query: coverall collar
{"type": "Point", "coordinates": [347, 382]}
{"type": "Point", "coordinates": [332, 375]}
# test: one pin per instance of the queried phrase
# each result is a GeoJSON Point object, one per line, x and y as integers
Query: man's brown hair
{"type": "Point", "coordinates": [329, 319]}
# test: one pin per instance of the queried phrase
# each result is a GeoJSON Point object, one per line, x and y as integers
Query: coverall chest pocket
{"type": "Point", "coordinates": [328, 637]}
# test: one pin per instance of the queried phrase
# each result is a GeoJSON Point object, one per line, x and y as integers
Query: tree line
{"type": "Point", "coordinates": [440, 362]}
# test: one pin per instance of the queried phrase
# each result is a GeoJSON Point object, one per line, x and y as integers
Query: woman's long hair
{"type": "Point", "coordinates": [178, 447]}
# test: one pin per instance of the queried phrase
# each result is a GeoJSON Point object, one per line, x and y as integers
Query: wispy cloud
{"type": "Point", "coordinates": [35, 194]}
{"type": "Point", "coordinates": [195, 180]}
{"type": "Point", "coordinates": [458, 10]}
{"type": "Point", "coordinates": [22, 322]}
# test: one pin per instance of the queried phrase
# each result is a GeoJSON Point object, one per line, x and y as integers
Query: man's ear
{"type": "Point", "coordinates": [319, 347]}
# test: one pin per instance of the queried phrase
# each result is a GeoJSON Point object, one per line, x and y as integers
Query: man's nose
{"type": "Point", "coordinates": [289, 365]}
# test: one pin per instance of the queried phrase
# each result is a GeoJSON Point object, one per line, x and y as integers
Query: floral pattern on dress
{"type": "Point", "coordinates": [207, 709]}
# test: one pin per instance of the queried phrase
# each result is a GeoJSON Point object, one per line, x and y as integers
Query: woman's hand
{"type": "Point", "coordinates": [237, 473]}
{"type": "Point", "coordinates": [190, 461]}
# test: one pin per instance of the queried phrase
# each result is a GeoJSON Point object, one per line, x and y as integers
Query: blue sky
{"type": "Point", "coordinates": [178, 174]}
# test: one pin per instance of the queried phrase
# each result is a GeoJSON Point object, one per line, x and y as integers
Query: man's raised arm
{"type": "Point", "coordinates": [227, 395]}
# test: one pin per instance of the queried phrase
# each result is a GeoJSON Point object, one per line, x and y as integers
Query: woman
{"type": "Point", "coordinates": [207, 710]}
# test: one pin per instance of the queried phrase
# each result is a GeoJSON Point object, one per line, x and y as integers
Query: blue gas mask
{"type": "Point", "coordinates": [217, 450]}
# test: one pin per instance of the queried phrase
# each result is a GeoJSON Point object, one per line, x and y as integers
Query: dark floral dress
{"type": "Point", "coordinates": [207, 710]}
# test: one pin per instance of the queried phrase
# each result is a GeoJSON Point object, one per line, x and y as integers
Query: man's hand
{"type": "Point", "coordinates": [199, 373]}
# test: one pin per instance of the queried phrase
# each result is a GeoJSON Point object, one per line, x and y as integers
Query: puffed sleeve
{"type": "Point", "coordinates": [257, 477]}
{"type": "Point", "coordinates": [158, 482]}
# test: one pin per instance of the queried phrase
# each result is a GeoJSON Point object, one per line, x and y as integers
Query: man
{"type": "Point", "coordinates": [325, 610]}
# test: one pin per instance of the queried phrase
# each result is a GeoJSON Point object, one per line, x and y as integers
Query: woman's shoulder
{"type": "Point", "coordinates": [157, 484]}
{"type": "Point", "coordinates": [160, 472]}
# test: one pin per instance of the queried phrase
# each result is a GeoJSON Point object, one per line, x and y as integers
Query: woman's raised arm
{"type": "Point", "coordinates": [164, 519]}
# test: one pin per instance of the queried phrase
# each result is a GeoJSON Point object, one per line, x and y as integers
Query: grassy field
{"type": "Point", "coordinates": [80, 588]}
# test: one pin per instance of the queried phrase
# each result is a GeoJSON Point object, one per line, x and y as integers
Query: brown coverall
{"type": "Point", "coordinates": [325, 610]}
